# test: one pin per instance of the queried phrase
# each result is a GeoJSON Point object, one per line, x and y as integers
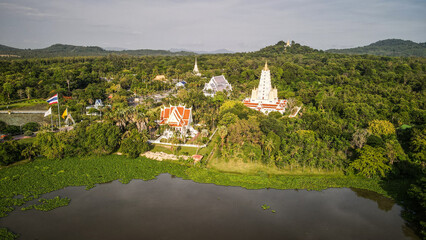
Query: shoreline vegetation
{"type": "Point", "coordinates": [22, 183]}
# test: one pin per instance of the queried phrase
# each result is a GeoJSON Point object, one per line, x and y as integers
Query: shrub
{"type": "Point", "coordinates": [10, 152]}
{"type": "Point", "coordinates": [50, 145]}
{"type": "Point", "coordinates": [3, 126]}
{"type": "Point", "coordinates": [13, 130]}
{"type": "Point", "coordinates": [32, 126]}
{"type": "Point", "coordinates": [28, 133]}
{"type": "Point", "coordinates": [102, 138]}
{"type": "Point", "coordinates": [134, 143]}
{"type": "Point", "coordinates": [371, 162]}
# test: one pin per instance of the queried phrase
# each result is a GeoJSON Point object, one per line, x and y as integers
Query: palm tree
{"type": "Point", "coordinates": [269, 146]}
{"type": "Point", "coordinates": [28, 92]}
{"type": "Point", "coordinates": [223, 131]}
{"type": "Point", "coordinates": [174, 142]}
{"type": "Point", "coordinates": [251, 155]}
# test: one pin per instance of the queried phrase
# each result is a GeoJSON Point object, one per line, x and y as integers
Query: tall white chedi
{"type": "Point", "coordinates": [265, 98]}
{"type": "Point", "coordinates": [195, 71]}
{"type": "Point", "coordinates": [265, 92]}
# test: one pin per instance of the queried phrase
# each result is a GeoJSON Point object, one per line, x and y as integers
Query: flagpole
{"type": "Point", "coordinates": [51, 121]}
{"type": "Point", "coordinates": [59, 117]}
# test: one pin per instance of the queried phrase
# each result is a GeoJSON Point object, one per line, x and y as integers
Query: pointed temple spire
{"type": "Point", "coordinates": [266, 66]}
{"type": "Point", "coordinates": [195, 71]}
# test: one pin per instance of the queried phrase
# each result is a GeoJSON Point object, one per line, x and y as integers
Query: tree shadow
{"type": "Point", "coordinates": [397, 189]}
{"type": "Point", "coordinates": [383, 203]}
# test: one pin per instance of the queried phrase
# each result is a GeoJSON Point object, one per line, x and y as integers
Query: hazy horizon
{"type": "Point", "coordinates": [202, 25]}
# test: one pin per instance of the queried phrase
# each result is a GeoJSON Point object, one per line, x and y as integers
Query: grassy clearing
{"type": "Point", "coordinates": [18, 119]}
{"type": "Point", "coordinates": [162, 148]}
{"type": "Point", "coordinates": [22, 183]}
{"type": "Point", "coordinates": [32, 104]}
{"type": "Point", "coordinates": [247, 167]}
{"type": "Point", "coordinates": [189, 151]}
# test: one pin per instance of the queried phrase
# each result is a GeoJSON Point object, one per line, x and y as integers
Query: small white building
{"type": "Point", "coordinates": [98, 105]}
{"type": "Point", "coordinates": [180, 84]}
{"type": "Point", "coordinates": [216, 84]}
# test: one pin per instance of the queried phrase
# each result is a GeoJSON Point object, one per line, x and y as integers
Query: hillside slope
{"type": "Point", "coordinates": [388, 47]}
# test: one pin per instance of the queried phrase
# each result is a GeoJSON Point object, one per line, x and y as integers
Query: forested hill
{"type": "Point", "coordinates": [62, 50]}
{"type": "Point", "coordinates": [389, 47]}
{"type": "Point", "coordinates": [280, 48]}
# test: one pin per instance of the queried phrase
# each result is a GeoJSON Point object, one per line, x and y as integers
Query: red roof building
{"type": "Point", "coordinates": [197, 158]}
{"type": "Point", "coordinates": [178, 117]}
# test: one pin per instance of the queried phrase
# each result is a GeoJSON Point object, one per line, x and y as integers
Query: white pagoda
{"type": "Point", "coordinates": [195, 71]}
{"type": "Point", "coordinates": [265, 98]}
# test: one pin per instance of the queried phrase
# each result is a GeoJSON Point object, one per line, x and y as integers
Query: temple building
{"type": "Point", "coordinates": [195, 71]}
{"type": "Point", "coordinates": [178, 118]}
{"type": "Point", "coordinates": [216, 84]}
{"type": "Point", "coordinates": [265, 98]}
{"type": "Point", "coordinates": [287, 44]}
{"type": "Point", "coordinates": [160, 78]}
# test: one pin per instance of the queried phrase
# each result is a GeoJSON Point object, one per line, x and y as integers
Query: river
{"type": "Point", "coordinates": [172, 208]}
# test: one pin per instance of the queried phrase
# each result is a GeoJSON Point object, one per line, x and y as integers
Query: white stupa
{"type": "Point", "coordinates": [265, 98]}
{"type": "Point", "coordinates": [195, 71]}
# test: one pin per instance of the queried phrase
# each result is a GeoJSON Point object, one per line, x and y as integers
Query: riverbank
{"type": "Point", "coordinates": [28, 181]}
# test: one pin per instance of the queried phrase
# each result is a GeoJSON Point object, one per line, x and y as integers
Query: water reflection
{"type": "Point", "coordinates": [172, 208]}
{"type": "Point", "coordinates": [383, 202]}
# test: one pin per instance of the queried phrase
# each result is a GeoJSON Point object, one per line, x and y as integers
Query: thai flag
{"type": "Point", "coordinates": [53, 99]}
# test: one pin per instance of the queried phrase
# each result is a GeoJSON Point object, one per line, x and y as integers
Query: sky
{"type": "Point", "coordinates": [237, 25]}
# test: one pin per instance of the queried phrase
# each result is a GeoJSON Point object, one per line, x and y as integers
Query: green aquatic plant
{"type": "Point", "coordinates": [265, 207]}
{"type": "Point", "coordinates": [6, 234]}
{"type": "Point", "coordinates": [48, 204]}
{"type": "Point", "coordinates": [22, 183]}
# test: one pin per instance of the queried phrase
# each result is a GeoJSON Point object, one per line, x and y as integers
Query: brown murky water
{"type": "Point", "coordinates": [172, 208]}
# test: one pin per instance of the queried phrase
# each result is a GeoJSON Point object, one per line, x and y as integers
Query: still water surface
{"type": "Point", "coordinates": [172, 208]}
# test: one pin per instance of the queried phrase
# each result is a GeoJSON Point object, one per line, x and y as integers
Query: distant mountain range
{"type": "Point", "coordinates": [388, 47]}
{"type": "Point", "coordinates": [62, 50]}
{"type": "Point", "coordinates": [218, 51]}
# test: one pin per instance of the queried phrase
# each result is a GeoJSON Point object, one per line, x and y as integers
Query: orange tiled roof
{"type": "Point", "coordinates": [280, 104]}
{"type": "Point", "coordinates": [180, 114]}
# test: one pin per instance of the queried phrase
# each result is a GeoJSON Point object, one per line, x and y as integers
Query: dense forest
{"type": "Point", "coordinates": [361, 115]}
{"type": "Point", "coordinates": [388, 47]}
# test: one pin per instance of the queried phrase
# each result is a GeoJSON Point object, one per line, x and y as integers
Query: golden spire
{"type": "Point", "coordinates": [266, 66]}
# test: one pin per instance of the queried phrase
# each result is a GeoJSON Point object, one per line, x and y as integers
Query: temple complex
{"type": "Point", "coordinates": [216, 84]}
{"type": "Point", "coordinates": [265, 98]}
